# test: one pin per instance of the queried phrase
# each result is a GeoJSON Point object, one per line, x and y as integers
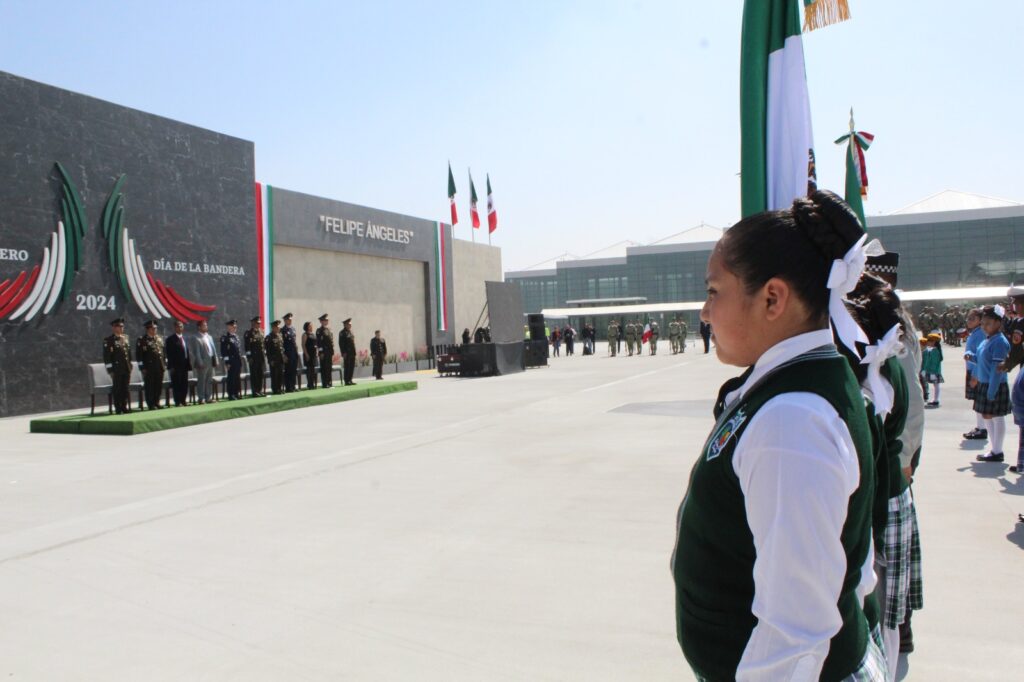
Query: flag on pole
{"type": "Point", "coordinates": [856, 170]}
{"type": "Point", "coordinates": [776, 145]}
{"type": "Point", "coordinates": [474, 214]}
{"type": "Point", "coordinates": [451, 195]}
{"type": "Point", "coordinates": [492, 215]}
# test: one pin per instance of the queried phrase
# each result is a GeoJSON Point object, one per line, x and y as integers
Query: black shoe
{"type": "Point", "coordinates": [1017, 470]}
{"type": "Point", "coordinates": [976, 434]}
{"type": "Point", "coordinates": [350, 383]}
{"type": "Point", "coordinates": [990, 457]}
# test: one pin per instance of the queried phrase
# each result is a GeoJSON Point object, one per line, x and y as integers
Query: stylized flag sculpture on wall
{"type": "Point", "coordinates": [856, 170]}
{"type": "Point", "coordinates": [474, 214]}
{"type": "Point", "coordinates": [776, 146]}
{"type": "Point", "coordinates": [36, 291]}
{"type": "Point", "coordinates": [492, 214]}
{"type": "Point", "coordinates": [451, 195]}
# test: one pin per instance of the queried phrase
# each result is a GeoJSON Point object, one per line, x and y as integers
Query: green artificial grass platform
{"type": "Point", "coordinates": [177, 417]}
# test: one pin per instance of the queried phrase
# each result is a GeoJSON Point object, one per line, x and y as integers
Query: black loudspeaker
{"type": "Point", "coordinates": [536, 353]}
{"type": "Point", "coordinates": [536, 324]}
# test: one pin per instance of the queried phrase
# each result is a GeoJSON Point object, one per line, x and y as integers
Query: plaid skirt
{"type": "Point", "coordinates": [899, 531]}
{"type": "Point", "coordinates": [915, 598]}
{"type": "Point", "coordinates": [998, 406]}
{"type": "Point", "coordinates": [969, 391]}
{"type": "Point", "coordinates": [872, 667]}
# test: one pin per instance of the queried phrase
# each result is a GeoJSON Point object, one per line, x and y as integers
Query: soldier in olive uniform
{"type": "Point", "coordinates": [682, 335]}
{"type": "Point", "coordinates": [325, 347]}
{"type": "Point", "coordinates": [117, 356]}
{"type": "Point", "coordinates": [630, 338]}
{"type": "Point", "coordinates": [347, 346]}
{"type": "Point", "coordinates": [231, 351]}
{"type": "Point", "coordinates": [274, 345]}
{"type": "Point", "coordinates": [291, 354]}
{"type": "Point", "coordinates": [256, 354]}
{"type": "Point", "coordinates": [673, 336]}
{"type": "Point", "coordinates": [152, 359]}
{"type": "Point", "coordinates": [654, 338]}
{"type": "Point", "coordinates": [613, 336]}
{"type": "Point", "coordinates": [378, 351]}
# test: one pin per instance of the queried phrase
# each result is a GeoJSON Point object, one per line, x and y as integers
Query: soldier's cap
{"type": "Point", "coordinates": [150, 323]}
{"type": "Point", "coordinates": [1015, 290]}
{"type": "Point", "coordinates": [322, 317]}
{"type": "Point", "coordinates": [231, 322]}
{"type": "Point", "coordinates": [346, 320]}
{"type": "Point", "coordinates": [116, 322]}
{"type": "Point", "coordinates": [275, 323]}
{"type": "Point", "coordinates": [887, 263]}
{"type": "Point", "coordinates": [287, 316]}
{"type": "Point", "coordinates": [256, 319]}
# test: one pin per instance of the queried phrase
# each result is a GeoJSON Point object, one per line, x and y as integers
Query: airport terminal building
{"type": "Point", "coordinates": [950, 241]}
{"type": "Point", "coordinates": [107, 211]}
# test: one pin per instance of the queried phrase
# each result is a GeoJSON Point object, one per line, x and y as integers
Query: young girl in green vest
{"type": "Point", "coordinates": [773, 557]}
{"type": "Point", "coordinates": [931, 366]}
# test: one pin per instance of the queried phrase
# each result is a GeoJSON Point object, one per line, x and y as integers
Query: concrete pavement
{"type": "Point", "coordinates": [508, 528]}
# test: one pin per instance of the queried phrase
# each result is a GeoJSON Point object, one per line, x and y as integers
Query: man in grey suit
{"type": "Point", "coordinates": [203, 353]}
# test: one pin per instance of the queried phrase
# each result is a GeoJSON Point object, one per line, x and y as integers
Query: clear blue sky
{"type": "Point", "coordinates": [598, 121]}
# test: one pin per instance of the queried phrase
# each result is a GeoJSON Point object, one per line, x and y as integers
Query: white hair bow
{"type": "Point", "coordinates": [999, 310]}
{"type": "Point", "coordinates": [874, 357]}
{"type": "Point", "coordinates": [842, 279]}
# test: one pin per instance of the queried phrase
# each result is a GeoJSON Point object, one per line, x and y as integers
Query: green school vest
{"type": "Point", "coordinates": [714, 558]}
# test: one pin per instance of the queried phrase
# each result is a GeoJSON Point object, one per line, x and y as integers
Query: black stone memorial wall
{"type": "Point", "coordinates": [110, 212]}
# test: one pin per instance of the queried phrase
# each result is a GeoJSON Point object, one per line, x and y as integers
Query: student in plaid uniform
{"type": "Point", "coordinates": [931, 366]}
{"type": "Point", "coordinates": [1013, 327]}
{"type": "Point", "coordinates": [876, 308]}
{"type": "Point", "coordinates": [974, 338]}
{"type": "Point", "coordinates": [764, 589]}
{"type": "Point", "coordinates": [992, 399]}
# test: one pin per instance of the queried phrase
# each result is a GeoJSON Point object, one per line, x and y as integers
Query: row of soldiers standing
{"type": "Point", "coordinates": [277, 350]}
{"type": "Point", "coordinates": [950, 322]}
{"type": "Point", "coordinates": [633, 333]}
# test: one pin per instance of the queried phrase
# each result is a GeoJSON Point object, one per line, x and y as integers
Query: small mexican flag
{"type": "Point", "coordinates": [451, 195]}
{"type": "Point", "coordinates": [647, 334]}
{"type": "Point", "coordinates": [856, 170]}
{"type": "Point", "coordinates": [474, 214]}
{"type": "Point", "coordinates": [492, 214]}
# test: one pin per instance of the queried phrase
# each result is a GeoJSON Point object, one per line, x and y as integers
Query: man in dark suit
{"type": "Point", "coordinates": [178, 364]}
{"type": "Point", "coordinates": [291, 353]}
{"type": "Point", "coordinates": [347, 346]}
{"type": "Point", "coordinates": [274, 344]}
{"type": "Point", "coordinates": [231, 351]}
{"type": "Point", "coordinates": [378, 351]}
{"type": "Point", "coordinates": [705, 334]}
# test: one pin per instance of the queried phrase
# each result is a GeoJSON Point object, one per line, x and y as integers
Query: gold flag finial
{"type": "Point", "coordinates": [821, 13]}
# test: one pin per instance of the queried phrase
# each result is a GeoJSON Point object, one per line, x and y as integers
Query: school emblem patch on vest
{"type": "Point", "coordinates": [724, 433]}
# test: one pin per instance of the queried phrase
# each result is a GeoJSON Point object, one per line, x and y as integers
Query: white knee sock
{"type": "Point", "coordinates": [988, 427]}
{"type": "Point", "coordinates": [996, 435]}
{"type": "Point", "coordinates": [891, 638]}
{"type": "Point", "coordinates": [936, 396]}
{"type": "Point", "coordinates": [981, 422]}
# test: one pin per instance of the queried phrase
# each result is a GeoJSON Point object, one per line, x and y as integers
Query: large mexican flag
{"type": "Point", "coordinates": [775, 115]}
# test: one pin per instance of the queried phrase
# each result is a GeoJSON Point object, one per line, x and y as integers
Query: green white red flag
{"type": "Point", "coordinates": [451, 195]}
{"type": "Point", "coordinates": [492, 213]}
{"type": "Point", "coordinates": [474, 214]}
{"type": "Point", "coordinates": [857, 142]}
{"type": "Point", "coordinates": [776, 147]}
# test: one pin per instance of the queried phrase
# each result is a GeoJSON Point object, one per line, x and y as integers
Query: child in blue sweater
{"type": "Point", "coordinates": [992, 390]}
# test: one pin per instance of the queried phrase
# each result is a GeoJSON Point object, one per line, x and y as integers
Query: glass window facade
{"type": "Point", "coordinates": [983, 248]}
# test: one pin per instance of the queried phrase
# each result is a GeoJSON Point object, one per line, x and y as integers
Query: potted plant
{"type": "Point", "coordinates": [422, 358]}
{"type": "Point", "coordinates": [390, 364]}
{"type": "Point", "coordinates": [406, 363]}
{"type": "Point", "coordinates": [363, 368]}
